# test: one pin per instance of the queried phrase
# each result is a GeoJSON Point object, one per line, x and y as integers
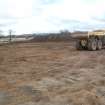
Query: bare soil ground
{"type": "Point", "coordinates": [51, 74]}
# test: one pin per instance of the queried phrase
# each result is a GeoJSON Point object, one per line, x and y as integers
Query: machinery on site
{"type": "Point", "coordinates": [92, 41]}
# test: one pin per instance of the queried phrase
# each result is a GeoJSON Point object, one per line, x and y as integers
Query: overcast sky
{"type": "Point", "coordinates": [30, 16]}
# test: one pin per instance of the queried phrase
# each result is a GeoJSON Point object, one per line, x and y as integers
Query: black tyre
{"type": "Point", "coordinates": [99, 45]}
{"type": "Point", "coordinates": [92, 44]}
{"type": "Point", "coordinates": [78, 45]}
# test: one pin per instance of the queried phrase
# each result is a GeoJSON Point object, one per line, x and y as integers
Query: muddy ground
{"type": "Point", "coordinates": [51, 74]}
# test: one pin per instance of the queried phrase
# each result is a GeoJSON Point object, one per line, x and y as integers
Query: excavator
{"type": "Point", "coordinates": [94, 40]}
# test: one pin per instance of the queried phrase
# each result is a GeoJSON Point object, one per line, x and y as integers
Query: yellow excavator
{"type": "Point", "coordinates": [92, 41]}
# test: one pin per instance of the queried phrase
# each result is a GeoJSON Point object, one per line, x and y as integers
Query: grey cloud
{"type": "Point", "coordinates": [74, 24]}
{"type": "Point", "coordinates": [7, 24]}
{"type": "Point", "coordinates": [47, 2]}
{"type": "Point", "coordinates": [66, 23]}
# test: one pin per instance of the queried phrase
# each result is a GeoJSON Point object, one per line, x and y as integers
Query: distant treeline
{"type": "Point", "coordinates": [53, 37]}
{"type": "Point", "coordinates": [61, 36]}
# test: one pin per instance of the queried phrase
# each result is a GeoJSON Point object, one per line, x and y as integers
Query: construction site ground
{"type": "Point", "coordinates": [51, 73]}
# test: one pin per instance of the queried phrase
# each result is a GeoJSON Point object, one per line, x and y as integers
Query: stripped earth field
{"type": "Point", "coordinates": [51, 73]}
